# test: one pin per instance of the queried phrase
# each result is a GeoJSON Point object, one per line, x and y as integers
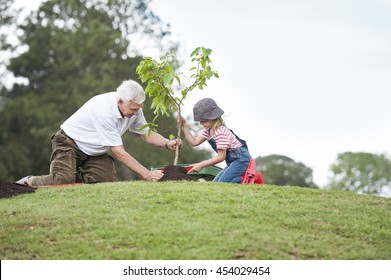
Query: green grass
{"type": "Point", "coordinates": [182, 220]}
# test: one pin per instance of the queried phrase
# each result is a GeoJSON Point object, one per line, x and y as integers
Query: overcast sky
{"type": "Point", "coordinates": [304, 79]}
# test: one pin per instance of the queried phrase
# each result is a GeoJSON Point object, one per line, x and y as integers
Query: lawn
{"type": "Point", "coordinates": [194, 221]}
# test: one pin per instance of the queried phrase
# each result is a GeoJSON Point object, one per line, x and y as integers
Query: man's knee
{"type": "Point", "coordinates": [62, 178]}
{"type": "Point", "coordinates": [99, 169]}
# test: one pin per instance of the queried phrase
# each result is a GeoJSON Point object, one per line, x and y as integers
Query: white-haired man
{"type": "Point", "coordinates": [80, 148]}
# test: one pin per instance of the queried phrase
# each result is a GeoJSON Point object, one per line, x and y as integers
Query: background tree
{"type": "Point", "coordinates": [6, 20]}
{"type": "Point", "coordinates": [8, 27]}
{"type": "Point", "coordinates": [364, 173]}
{"type": "Point", "coordinates": [284, 171]}
{"type": "Point", "coordinates": [76, 49]}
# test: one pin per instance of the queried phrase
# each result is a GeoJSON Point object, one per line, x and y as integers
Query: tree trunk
{"type": "Point", "coordinates": [178, 137]}
{"type": "Point", "coordinates": [177, 147]}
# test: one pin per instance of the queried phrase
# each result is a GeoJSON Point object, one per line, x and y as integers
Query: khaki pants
{"type": "Point", "coordinates": [68, 164]}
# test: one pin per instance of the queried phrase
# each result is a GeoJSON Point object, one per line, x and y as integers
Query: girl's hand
{"type": "Point", "coordinates": [181, 121]}
{"type": "Point", "coordinates": [196, 168]}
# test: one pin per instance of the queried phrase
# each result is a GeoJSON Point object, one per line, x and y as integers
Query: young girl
{"type": "Point", "coordinates": [228, 146]}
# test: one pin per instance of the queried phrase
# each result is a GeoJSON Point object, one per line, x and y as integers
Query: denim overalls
{"type": "Point", "coordinates": [237, 161]}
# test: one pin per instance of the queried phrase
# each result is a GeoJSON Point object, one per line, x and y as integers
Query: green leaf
{"type": "Point", "coordinates": [206, 51]}
{"type": "Point", "coordinates": [168, 79]}
{"type": "Point", "coordinates": [177, 79]}
{"type": "Point", "coordinates": [195, 51]}
{"type": "Point", "coordinates": [184, 93]}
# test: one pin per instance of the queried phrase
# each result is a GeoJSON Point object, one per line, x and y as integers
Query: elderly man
{"type": "Point", "coordinates": [80, 147]}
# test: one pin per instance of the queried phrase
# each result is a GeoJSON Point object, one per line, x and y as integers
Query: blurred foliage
{"type": "Point", "coordinates": [364, 173]}
{"type": "Point", "coordinates": [8, 17]}
{"type": "Point", "coordinates": [284, 171]}
{"type": "Point", "coordinates": [6, 20]}
{"type": "Point", "coordinates": [76, 49]}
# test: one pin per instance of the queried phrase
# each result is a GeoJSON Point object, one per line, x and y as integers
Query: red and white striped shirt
{"type": "Point", "coordinates": [223, 137]}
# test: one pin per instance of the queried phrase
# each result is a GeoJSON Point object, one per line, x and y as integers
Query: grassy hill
{"type": "Point", "coordinates": [182, 220]}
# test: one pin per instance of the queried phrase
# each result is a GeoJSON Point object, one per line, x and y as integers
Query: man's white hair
{"type": "Point", "coordinates": [130, 90]}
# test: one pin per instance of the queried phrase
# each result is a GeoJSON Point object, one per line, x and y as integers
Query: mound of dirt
{"type": "Point", "coordinates": [12, 189]}
{"type": "Point", "coordinates": [176, 173]}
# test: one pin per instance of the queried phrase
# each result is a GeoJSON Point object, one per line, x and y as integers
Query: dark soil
{"type": "Point", "coordinates": [12, 189]}
{"type": "Point", "coordinates": [175, 172]}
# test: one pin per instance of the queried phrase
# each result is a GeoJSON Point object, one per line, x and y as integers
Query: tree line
{"type": "Point", "coordinates": [360, 172]}
{"type": "Point", "coordinates": [70, 50]}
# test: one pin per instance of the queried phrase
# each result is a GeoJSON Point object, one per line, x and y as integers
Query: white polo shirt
{"type": "Point", "coordinates": [99, 125]}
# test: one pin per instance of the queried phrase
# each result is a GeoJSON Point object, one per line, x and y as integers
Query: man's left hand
{"type": "Point", "coordinates": [172, 144]}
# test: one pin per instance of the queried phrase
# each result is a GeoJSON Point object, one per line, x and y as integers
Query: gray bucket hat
{"type": "Point", "coordinates": [206, 109]}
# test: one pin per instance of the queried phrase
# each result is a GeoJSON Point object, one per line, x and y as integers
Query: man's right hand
{"type": "Point", "coordinates": [154, 175]}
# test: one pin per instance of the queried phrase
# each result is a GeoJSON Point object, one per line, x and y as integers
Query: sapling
{"type": "Point", "coordinates": [168, 88]}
